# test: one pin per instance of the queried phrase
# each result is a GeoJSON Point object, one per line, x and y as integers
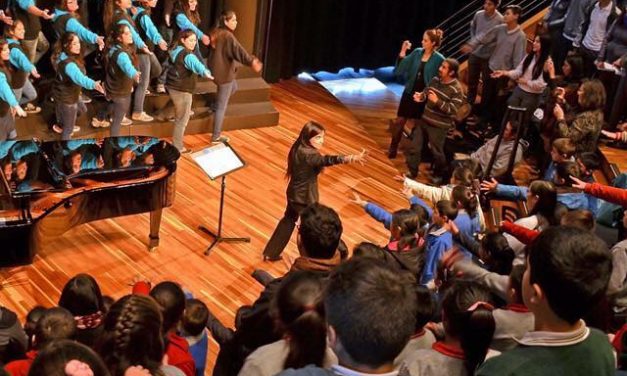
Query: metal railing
{"type": "Point", "coordinates": [457, 27]}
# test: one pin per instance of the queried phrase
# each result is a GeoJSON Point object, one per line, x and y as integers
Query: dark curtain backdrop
{"type": "Point", "coordinates": [314, 35]}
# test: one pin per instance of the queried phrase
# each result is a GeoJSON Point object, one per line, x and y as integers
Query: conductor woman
{"type": "Point", "coordinates": [304, 164]}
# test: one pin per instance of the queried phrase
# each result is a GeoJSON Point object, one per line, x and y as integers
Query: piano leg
{"type": "Point", "coordinates": [155, 223]}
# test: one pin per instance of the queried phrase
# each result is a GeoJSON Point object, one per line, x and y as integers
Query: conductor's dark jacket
{"type": "Point", "coordinates": [307, 163]}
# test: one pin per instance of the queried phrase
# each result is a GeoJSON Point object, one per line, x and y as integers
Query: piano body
{"type": "Point", "coordinates": [47, 188]}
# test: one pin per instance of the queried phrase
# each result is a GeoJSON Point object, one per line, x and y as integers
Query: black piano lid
{"type": "Point", "coordinates": [31, 166]}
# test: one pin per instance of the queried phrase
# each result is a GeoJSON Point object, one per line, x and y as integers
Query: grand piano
{"type": "Point", "coordinates": [47, 188]}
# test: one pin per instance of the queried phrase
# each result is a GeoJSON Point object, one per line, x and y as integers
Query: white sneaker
{"type": "Point", "coordinates": [57, 129]}
{"type": "Point", "coordinates": [97, 123]}
{"type": "Point", "coordinates": [76, 129]}
{"type": "Point", "coordinates": [32, 109]}
{"type": "Point", "coordinates": [126, 121]}
{"type": "Point", "coordinates": [142, 117]}
{"type": "Point", "coordinates": [161, 89]}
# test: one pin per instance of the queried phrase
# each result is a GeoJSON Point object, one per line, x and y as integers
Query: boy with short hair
{"type": "Point", "coordinates": [562, 150]}
{"type": "Point", "coordinates": [567, 274]}
{"type": "Point", "coordinates": [439, 239]}
{"type": "Point", "coordinates": [195, 333]}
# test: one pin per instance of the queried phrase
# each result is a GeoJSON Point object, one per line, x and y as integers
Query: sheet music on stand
{"type": "Point", "coordinates": [218, 160]}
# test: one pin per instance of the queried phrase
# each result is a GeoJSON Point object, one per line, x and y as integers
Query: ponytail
{"type": "Point", "coordinates": [469, 319]}
{"type": "Point", "coordinates": [476, 336]}
{"type": "Point", "coordinates": [298, 309]}
{"type": "Point", "coordinates": [307, 338]}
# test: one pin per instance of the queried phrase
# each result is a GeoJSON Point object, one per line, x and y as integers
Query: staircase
{"type": "Point", "coordinates": [249, 107]}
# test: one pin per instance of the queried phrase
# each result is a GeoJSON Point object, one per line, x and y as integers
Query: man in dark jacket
{"type": "Point", "coordinates": [318, 240]}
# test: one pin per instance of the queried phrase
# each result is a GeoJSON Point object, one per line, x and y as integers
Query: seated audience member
{"type": "Point", "coordinates": [406, 241]}
{"type": "Point", "coordinates": [514, 320]}
{"type": "Point", "coordinates": [416, 204]}
{"type": "Point", "coordinates": [541, 197]}
{"type": "Point", "coordinates": [318, 239]}
{"type": "Point", "coordinates": [443, 96]}
{"type": "Point", "coordinates": [371, 315]}
{"type": "Point", "coordinates": [193, 329]}
{"type": "Point", "coordinates": [82, 297]}
{"type": "Point", "coordinates": [567, 274]}
{"type": "Point", "coordinates": [132, 337]}
{"type": "Point", "coordinates": [13, 340]}
{"type": "Point", "coordinates": [369, 250]}
{"type": "Point", "coordinates": [461, 175]}
{"type": "Point", "coordinates": [617, 288]}
{"type": "Point", "coordinates": [493, 250]}
{"type": "Point", "coordinates": [467, 220]}
{"type": "Point", "coordinates": [566, 194]}
{"type": "Point", "coordinates": [55, 324]}
{"type": "Point", "coordinates": [439, 240]}
{"type": "Point", "coordinates": [422, 339]}
{"type": "Point", "coordinates": [468, 329]}
{"type": "Point", "coordinates": [588, 162]}
{"type": "Point", "coordinates": [501, 162]}
{"type": "Point", "coordinates": [31, 323]}
{"type": "Point", "coordinates": [171, 300]}
{"type": "Point", "coordinates": [562, 150]}
{"type": "Point", "coordinates": [298, 310]}
{"type": "Point", "coordinates": [585, 128]}
{"type": "Point", "coordinates": [66, 357]}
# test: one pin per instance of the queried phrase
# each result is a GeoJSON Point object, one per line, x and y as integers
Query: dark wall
{"type": "Point", "coordinates": [313, 35]}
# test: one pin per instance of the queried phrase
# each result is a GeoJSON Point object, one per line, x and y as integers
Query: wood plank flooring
{"type": "Point", "coordinates": [114, 251]}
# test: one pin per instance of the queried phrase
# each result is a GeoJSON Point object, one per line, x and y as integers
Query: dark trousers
{"type": "Point", "coordinates": [476, 68]}
{"type": "Point", "coordinates": [589, 57]}
{"type": "Point", "coordinates": [66, 116]}
{"type": "Point", "coordinates": [560, 49]}
{"type": "Point", "coordinates": [436, 137]}
{"type": "Point", "coordinates": [284, 230]}
{"type": "Point", "coordinates": [492, 98]}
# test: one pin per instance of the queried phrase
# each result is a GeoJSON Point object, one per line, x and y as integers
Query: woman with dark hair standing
{"type": "Point", "coordinates": [304, 164]}
{"type": "Point", "coordinates": [421, 66]}
{"type": "Point", "coordinates": [225, 56]}
{"type": "Point", "coordinates": [298, 311]}
{"type": "Point", "coordinates": [82, 297]}
{"type": "Point", "coordinates": [529, 75]}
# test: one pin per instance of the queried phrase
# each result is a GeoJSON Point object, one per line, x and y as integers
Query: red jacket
{"type": "Point", "coordinates": [523, 234]}
{"type": "Point", "coordinates": [22, 366]}
{"type": "Point", "coordinates": [179, 355]}
{"type": "Point", "coordinates": [614, 195]}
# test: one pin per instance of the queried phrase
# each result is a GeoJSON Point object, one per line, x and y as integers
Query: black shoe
{"type": "Point", "coordinates": [392, 153]}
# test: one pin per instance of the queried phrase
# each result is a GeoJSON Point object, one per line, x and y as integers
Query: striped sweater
{"type": "Point", "coordinates": [450, 97]}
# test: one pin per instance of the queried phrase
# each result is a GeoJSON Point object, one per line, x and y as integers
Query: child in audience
{"type": "Point", "coordinates": [55, 324]}
{"type": "Point", "coordinates": [568, 196]}
{"type": "Point", "coordinates": [583, 219]}
{"type": "Point", "coordinates": [299, 314]}
{"type": "Point", "coordinates": [407, 240]}
{"type": "Point", "coordinates": [439, 239]}
{"type": "Point", "coordinates": [423, 338]}
{"type": "Point", "coordinates": [193, 329]}
{"type": "Point", "coordinates": [31, 322]}
{"type": "Point", "coordinates": [81, 296]}
{"type": "Point", "coordinates": [416, 204]}
{"type": "Point", "coordinates": [514, 320]}
{"type": "Point", "coordinates": [468, 327]}
{"type": "Point", "coordinates": [614, 195]}
{"type": "Point", "coordinates": [69, 358]}
{"type": "Point", "coordinates": [567, 273]}
{"type": "Point", "coordinates": [467, 220]}
{"type": "Point", "coordinates": [492, 251]}
{"type": "Point", "coordinates": [588, 162]}
{"type": "Point", "coordinates": [461, 176]}
{"type": "Point", "coordinates": [562, 150]}
{"type": "Point", "coordinates": [371, 314]}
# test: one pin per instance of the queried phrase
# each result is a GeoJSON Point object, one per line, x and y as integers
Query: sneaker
{"type": "Point", "coordinates": [57, 129]}
{"type": "Point", "coordinates": [76, 129]}
{"type": "Point", "coordinates": [32, 109]}
{"type": "Point", "coordinates": [161, 89]}
{"type": "Point", "coordinates": [97, 123]}
{"type": "Point", "coordinates": [141, 117]}
{"type": "Point", "coordinates": [220, 140]}
{"type": "Point", "coordinates": [185, 151]}
{"type": "Point", "coordinates": [126, 121]}
{"type": "Point", "coordinates": [85, 99]}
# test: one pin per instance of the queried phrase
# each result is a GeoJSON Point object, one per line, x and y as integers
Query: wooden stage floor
{"type": "Point", "coordinates": [114, 251]}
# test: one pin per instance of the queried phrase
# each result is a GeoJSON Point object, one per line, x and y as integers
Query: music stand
{"type": "Point", "coordinates": [218, 161]}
